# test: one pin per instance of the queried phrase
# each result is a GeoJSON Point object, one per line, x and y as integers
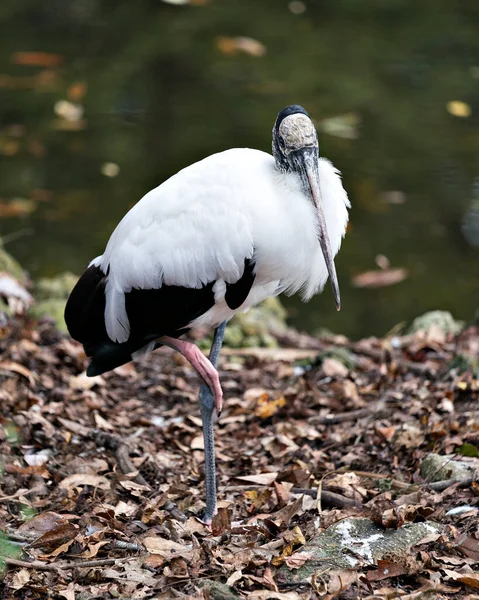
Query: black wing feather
{"type": "Point", "coordinates": [236, 293]}
{"type": "Point", "coordinates": [152, 313]}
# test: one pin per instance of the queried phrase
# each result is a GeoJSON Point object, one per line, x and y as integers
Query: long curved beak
{"type": "Point", "coordinates": [307, 160]}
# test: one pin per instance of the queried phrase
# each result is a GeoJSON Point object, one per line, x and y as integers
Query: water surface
{"type": "Point", "coordinates": [100, 101]}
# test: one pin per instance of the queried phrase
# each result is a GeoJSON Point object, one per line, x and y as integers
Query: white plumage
{"type": "Point", "coordinates": [201, 224]}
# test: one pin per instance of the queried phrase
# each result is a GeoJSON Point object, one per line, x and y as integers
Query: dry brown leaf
{"type": "Point", "coordinates": [266, 407]}
{"type": "Point", "coordinates": [470, 579]}
{"type": "Point", "coordinates": [333, 368]}
{"type": "Point", "coordinates": [56, 537]}
{"type": "Point", "coordinates": [469, 547]}
{"type": "Point", "coordinates": [234, 578]}
{"type": "Point", "coordinates": [80, 479]}
{"type": "Point", "coordinates": [20, 578]}
{"type": "Point", "coordinates": [221, 522]}
{"type": "Point", "coordinates": [13, 367]}
{"type": "Point", "coordinates": [262, 479]}
{"type": "Point", "coordinates": [385, 570]}
{"type": "Point", "coordinates": [298, 559]}
{"type": "Point", "coordinates": [161, 546]}
{"type": "Point", "coordinates": [93, 549]}
{"type": "Point", "coordinates": [44, 522]}
{"type": "Point", "coordinates": [83, 382]}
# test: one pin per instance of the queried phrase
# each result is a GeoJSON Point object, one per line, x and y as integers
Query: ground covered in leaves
{"type": "Point", "coordinates": [102, 481]}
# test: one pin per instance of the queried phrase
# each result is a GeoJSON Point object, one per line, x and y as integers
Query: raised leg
{"type": "Point", "coordinates": [207, 412]}
{"type": "Point", "coordinates": [204, 367]}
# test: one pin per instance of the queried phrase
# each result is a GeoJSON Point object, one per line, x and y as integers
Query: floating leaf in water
{"type": "Point", "coordinates": [381, 278]}
{"type": "Point", "coordinates": [297, 7]}
{"type": "Point", "coordinates": [76, 91]}
{"type": "Point", "coordinates": [235, 45]}
{"type": "Point", "coordinates": [18, 207]}
{"type": "Point", "coordinates": [68, 110]}
{"type": "Point", "coordinates": [458, 108]}
{"type": "Point", "coordinates": [343, 126]}
{"type": "Point", "coordinates": [110, 169]}
{"type": "Point", "coordinates": [37, 59]}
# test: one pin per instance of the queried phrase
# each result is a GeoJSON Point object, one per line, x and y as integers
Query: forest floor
{"type": "Point", "coordinates": [102, 481]}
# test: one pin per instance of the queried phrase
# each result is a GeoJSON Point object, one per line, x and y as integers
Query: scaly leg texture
{"type": "Point", "coordinates": [207, 413]}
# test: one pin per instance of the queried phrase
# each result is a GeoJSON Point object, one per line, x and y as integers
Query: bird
{"type": "Point", "coordinates": [216, 238]}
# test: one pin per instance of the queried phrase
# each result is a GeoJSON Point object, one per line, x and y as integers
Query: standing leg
{"type": "Point", "coordinates": [207, 405]}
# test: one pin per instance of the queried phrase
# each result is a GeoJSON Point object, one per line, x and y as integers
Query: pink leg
{"type": "Point", "coordinates": [201, 364]}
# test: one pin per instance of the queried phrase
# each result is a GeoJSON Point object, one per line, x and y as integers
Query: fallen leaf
{"type": "Point", "coordinates": [57, 536]}
{"type": "Point", "coordinates": [83, 382]}
{"type": "Point", "coordinates": [13, 367]}
{"type": "Point", "coordinates": [44, 522]}
{"type": "Point", "coordinates": [470, 579]}
{"type": "Point", "coordinates": [262, 479]}
{"type": "Point", "coordinates": [333, 368]}
{"type": "Point", "coordinates": [266, 407]}
{"type": "Point", "coordinates": [159, 545]}
{"type": "Point", "coordinates": [298, 559]}
{"type": "Point", "coordinates": [20, 579]}
{"type": "Point", "coordinates": [385, 570]}
{"type": "Point", "coordinates": [221, 522]}
{"type": "Point", "coordinates": [234, 578]}
{"type": "Point", "coordinates": [469, 547]}
{"type": "Point", "coordinates": [80, 479]}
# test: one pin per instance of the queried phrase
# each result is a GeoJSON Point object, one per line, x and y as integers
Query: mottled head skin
{"type": "Point", "coordinates": [293, 132]}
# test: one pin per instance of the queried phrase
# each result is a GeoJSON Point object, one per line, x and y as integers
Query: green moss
{"type": "Point", "coordinates": [52, 294]}
{"type": "Point", "coordinates": [9, 265]}
{"type": "Point", "coordinates": [436, 318]}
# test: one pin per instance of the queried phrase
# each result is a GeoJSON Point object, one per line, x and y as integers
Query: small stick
{"type": "Point", "coordinates": [122, 454]}
{"type": "Point", "coordinates": [121, 545]}
{"type": "Point", "coordinates": [328, 498]}
{"type": "Point", "coordinates": [440, 486]}
{"type": "Point", "coordinates": [395, 483]}
{"type": "Point", "coordinates": [23, 492]}
{"type": "Point", "coordinates": [350, 415]}
{"type": "Point", "coordinates": [42, 566]}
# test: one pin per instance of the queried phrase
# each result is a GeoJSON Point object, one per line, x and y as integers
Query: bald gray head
{"type": "Point", "coordinates": [296, 150]}
{"type": "Point", "coordinates": [292, 132]}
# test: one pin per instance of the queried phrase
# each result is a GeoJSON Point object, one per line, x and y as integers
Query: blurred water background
{"type": "Point", "coordinates": [102, 100]}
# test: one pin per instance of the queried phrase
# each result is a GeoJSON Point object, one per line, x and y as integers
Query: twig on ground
{"type": "Point", "coordinates": [122, 454]}
{"type": "Point", "coordinates": [24, 538]}
{"type": "Point", "coordinates": [42, 566]}
{"type": "Point", "coordinates": [395, 483]}
{"type": "Point", "coordinates": [22, 492]}
{"type": "Point", "coordinates": [351, 415]}
{"type": "Point", "coordinates": [121, 545]}
{"type": "Point", "coordinates": [440, 486]}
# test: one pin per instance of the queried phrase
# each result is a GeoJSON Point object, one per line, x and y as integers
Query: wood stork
{"type": "Point", "coordinates": [216, 238]}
